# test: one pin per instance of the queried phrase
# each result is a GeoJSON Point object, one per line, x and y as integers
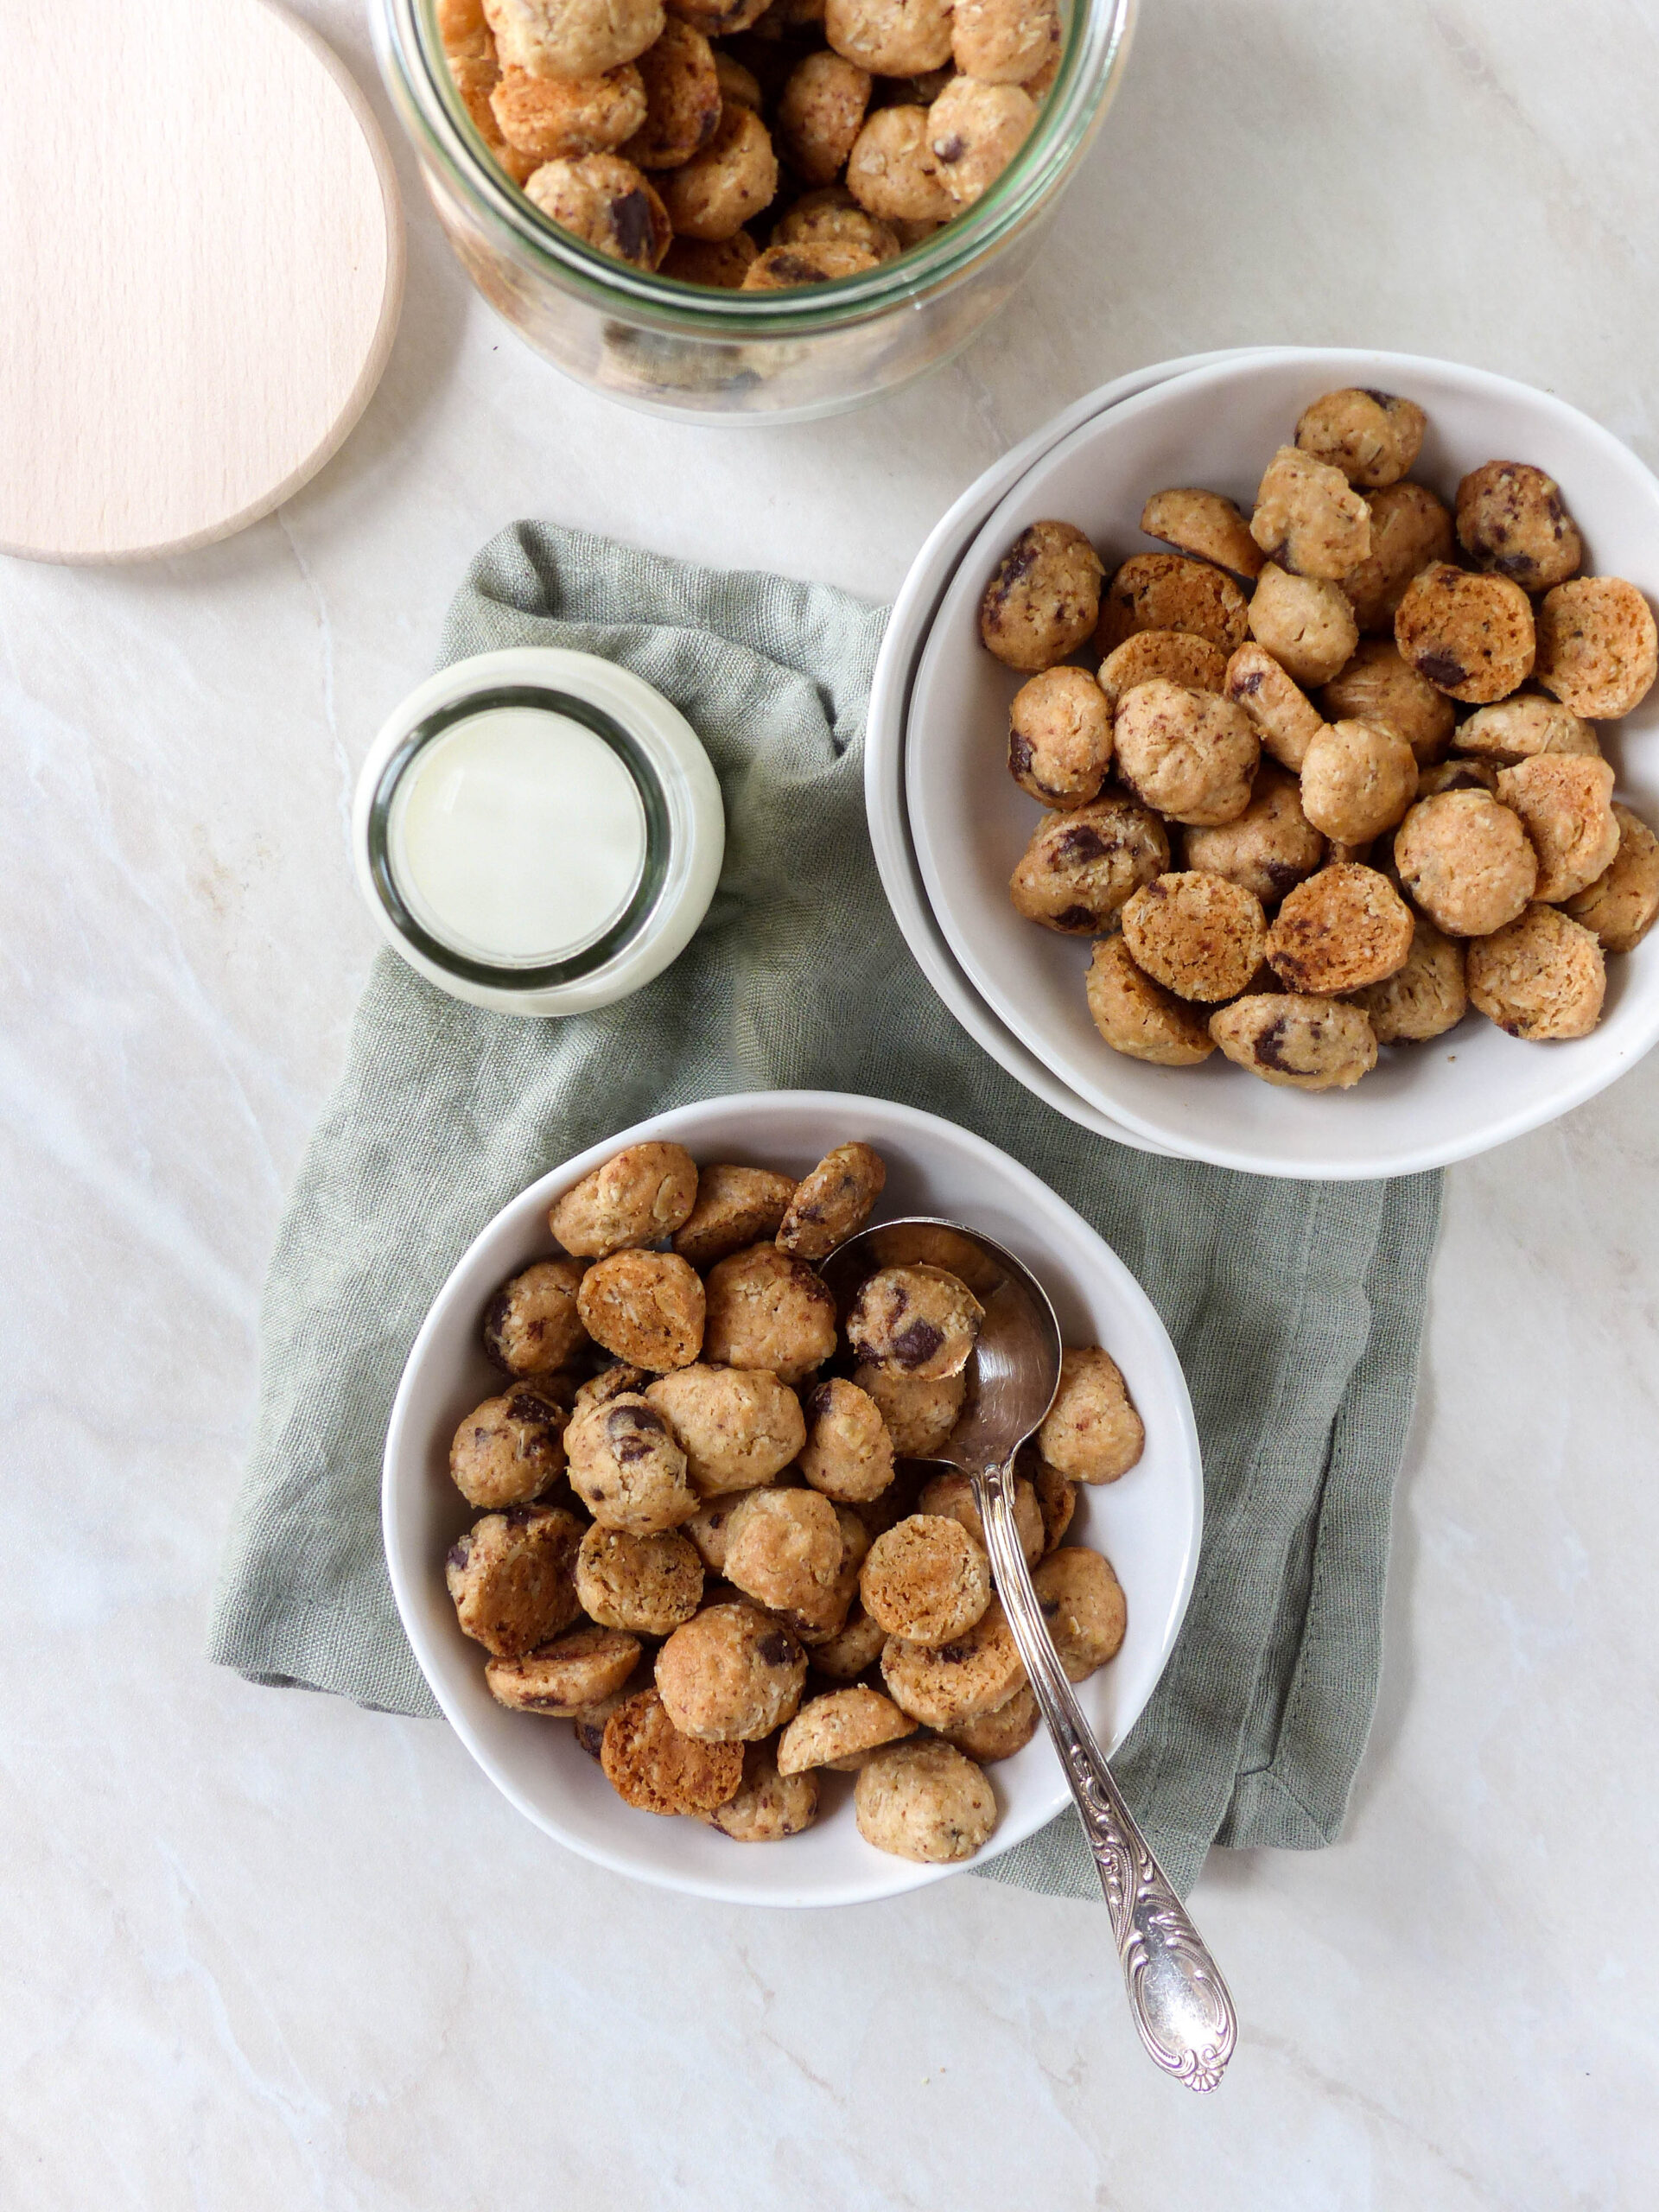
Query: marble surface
{"type": "Point", "coordinates": [268, 1950]}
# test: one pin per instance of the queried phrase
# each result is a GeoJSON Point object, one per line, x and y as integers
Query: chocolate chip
{"type": "Point", "coordinates": [817, 1404]}
{"type": "Point", "coordinates": [915, 1345]}
{"type": "Point", "coordinates": [1018, 562]}
{"type": "Point", "coordinates": [797, 269]}
{"type": "Point", "coordinates": [495, 1323]}
{"type": "Point", "coordinates": [632, 227]}
{"type": "Point", "coordinates": [1075, 847]}
{"type": "Point", "coordinates": [1443, 668]}
{"type": "Point", "coordinates": [458, 1555]}
{"type": "Point", "coordinates": [1076, 918]}
{"type": "Point", "coordinates": [1020, 753]}
{"type": "Point", "coordinates": [631, 1429]}
{"type": "Point", "coordinates": [1382, 398]}
{"type": "Point", "coordinates": [1267, 1048]}
{"type": "Point", "coordinates": [778, 1648]}
{"type": "Point", "coordinates": [951, 149]}
{"type": "Point", "coordinates": [1246, 686]}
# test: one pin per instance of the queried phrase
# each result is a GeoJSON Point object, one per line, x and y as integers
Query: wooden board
{"type": "Point", "coordinates": [202, 262]}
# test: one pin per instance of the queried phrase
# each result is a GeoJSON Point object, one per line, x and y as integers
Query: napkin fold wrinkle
{"type": "Point", "coordinates": [1296, 1308]}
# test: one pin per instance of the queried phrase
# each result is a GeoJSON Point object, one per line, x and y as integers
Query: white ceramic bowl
{"type": "Point", "coordinates": [1148, 1523]}
{"type": "Point", "coordinates": [1425, 1105]}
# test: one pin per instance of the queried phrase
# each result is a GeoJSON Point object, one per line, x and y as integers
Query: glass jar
{"type": "Point", "coordinates": [722, 356]}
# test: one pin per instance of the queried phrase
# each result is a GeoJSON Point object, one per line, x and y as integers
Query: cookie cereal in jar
{"type": "Point", "coordinates": [607, 203]}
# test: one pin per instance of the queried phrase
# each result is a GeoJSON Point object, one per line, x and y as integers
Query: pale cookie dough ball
{"type": "Point", "coordinates": [1510, 518]}
{"type": "Point", "coordinates": [710, 1528]}
{"type": "Point", "coordinates": [1285, 719]}
{"type": "Point", "coordinates": [1172, 653]}
{"type": "Point", "coordinates": [1541, 976]}
{"type": "Point", "coordinates": [1083, 1603]}
{"type": "Point", "coordinates": [1344, 928]}
{"type": "Point", "coordinates": [1305, 622]}
{"type": "Point", "coordinates": [1269, 848]}
{"type": "Point", "coordinates": [1060, 738]}
{"type": "Point", "coordinates": [975, 131]}
{"type": "Point", "coordinates": [893, 173]}
{"type": "Point", "coordinates": [532, 1324]}
{"type": "Point", "coordinates": [925, 1579]}
{"type": "Point", "coordinates": [627, 1467]}
{"type": "Point", "coordinates": [615, 1382]}
{"type": "Point", "coordinates": [768, 1310]}
{"type": "Point", "coordinates": [1456, 775]}
{"type": "Point", "coordinates": [718, 18]}
{"type": "Point", "coordinates": [1309, 519]}
{"type": "Point", "coordinates": [1467, 860]}
{"type": "Point", "coordinates": [783, 1549]}
{"type": "Point", "coordinates": [607, 203]}
{"type": "Point", "coordinates": [1191, 754]}
{"type": "Point", "coordinates": [656, 1768]}
{"type": "Point", "coordinates": [1164, 591]}
{"type": "Point", "coordinates": [834, 1200]}
{"type": "Point", "coordinates": [924, 1802]}
{"type": "Point", "coordinates": [785, 268]}
{"type": "Point", "coordinates": [854, 1650]}
{"type": "Point", "coordinates": [1521, 727]}
{"type": "Point", "coordinates": [1057, 1495]}
{"type": "Point", "coordinates": [647, 1307]}
{"type": "Point", "coordinates": [734, 177]}
{"type": "Point", "coordinates": [950, 1497]}
{"type": "Point", "coordinates": [565, 1677]}
{"type": "Point", "coordinates": [638, 1197]}
{"type": "Point", "coordinates": [820, 114]}
{"type": "Point", "coordinates": [1598, 647]}
{"type": "Point", "coordinates": [509, 1449]}
{"type": "Point", "coordinates": [1373, 437]}
{"type": "Point", "coordinates": [917, 1320]}
{"type": "Point", "coordinates": [1471, 637]}
{"type": "Point", "coordinates": [1200, 936]}
{"type": "Point", "coordinates": [841, 1729]}
{"type": "Point", "coordinates": [832, 217]}
{"type": "Point", "coordinates": [572, 38]}
{"type": "Point", "coordinates": [999, 1735]}
{"type": "Point", "coordinates": [731, 1676]}
{"type": "Point", "coordinates": [1410, 528]}
{"type": "Point", "coordinates": [1379, 687]}
{"type": "Point", "coordinates": [1425, 997]}
{"type": "Point", "coordinates": [918, 1415]}
{"type": "Point", "coordinates": [512, 1578]}
{"type": "Point", "coordinates": [1358, 781]}
{"type": "Point", "coordinates": [1299, 1044]}
{"type": "Point", "coordinates": [737, 1429]}
{"type": "Point", "coordinates": [681, 99]}
{"type": "Point", "coordinates": [769, 1807]}
{"type": "Point", "coordinates": [1621, 904]}
{"type": "Point", "coordinates": [735, 1206]}
{"type": "Point", "coordinates": [562, 119]}
{"type": "Point", "coordinates": [1138, 1017]}
{"type": "Point", "coordinates": [1080, 867]}
{"type": "Point", "coordinates": [943, 1685]}
{"type": "Point", "coordinates": [849, 1452]}
{"type": "Point", "coordinates": [1004, 41]}
{"type": "Point", "coordinates": [1565, 806]}
{"type": "Point", "coordinates": [1207, 526]}
{"type": "Point", "coordinates": [648, 1584]}
{"type": "Point", "coordinates": [722, 262]}
{"type": "Point", "coordinates": [1042, 602]}
{"type": "Point", "coordinates": [1093, 1433]}
{"type": "Point", "coordinates": [890, 38]}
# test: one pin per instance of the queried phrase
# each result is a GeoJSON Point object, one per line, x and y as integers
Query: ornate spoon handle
{"type": "Point", "coordinates": [1180, 2003]}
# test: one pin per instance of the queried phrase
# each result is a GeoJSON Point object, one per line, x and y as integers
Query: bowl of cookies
{"type": "Point", "coordinates": [668, 1536]}
{"type": "Point", "coordinates": [1280, 762]}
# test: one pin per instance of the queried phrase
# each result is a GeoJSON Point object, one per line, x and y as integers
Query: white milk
{"type": "Point", "coordinates": [517, 836]}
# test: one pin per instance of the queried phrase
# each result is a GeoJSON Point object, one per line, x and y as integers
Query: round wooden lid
{"type": "Point", "coordinates": [202, 262]}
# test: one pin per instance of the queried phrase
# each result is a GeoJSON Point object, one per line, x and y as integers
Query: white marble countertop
{"type": "Point", "coordinates": [268, 1950]}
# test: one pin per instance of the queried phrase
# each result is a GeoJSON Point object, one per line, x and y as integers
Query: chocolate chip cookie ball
{"type": "Point", "coordinates": [565, 1677]}
{"type": "Point", "coordinates": [915, 1320]}
{"type": "Point", "coordinates": [533, 1325]}
{"type": "Point", "coordinates": [950, 1496]}
{"type": "Point", "coordinates": [1004, 41]}
{"type": "Point", "coordinates": [925, 1802]}
{"type": "Point", "coordinates": [1042, 602]}
{"type": "Point", "coordinates": [1000, 1734]}
{"type": "Point", "coordinates": [646, 1308]}
{"type": "Point", "coordinates": [1456, 775]}
{"type": "Point", "coordinates": [841, 1729]}
{"type": "Point", "coordinates": [1200, 936]}
{"type": "Point", "coordinates": [737, 1429]}
{"type": "Point", "coordinates": [1510, 518]}
{"type": "Point", "coordinates": [1207, 526]}
{"type": "Point", "coordinates": [1298, 1043]}
{"type": "Point", "coordinates": [1309, 519]}
{"type": "Point", "coordinates": [854, 1650]}
{"type": "Point", "coordinates": [709, 1529]}
{"type": "Point", "coordinates": [1373, 437]}
{"type": "Point", "coordinates": [1162, 591]}
{"type": "Point", "coordinates": [784, 268]}
{"type": "Point", "coordinates": [848, 1453]}
{"type": "Point", "coordinates": [1379, 687]}
{"type": "Point", "coordinates": [627, 1467]}
{"type": "Point", "coordinates": [1471, 637]}
{"type": "Point", "coordinates": [1518, 728]}
{"type": "Point", "coordinates": [1174, 653]}
{"type": "Point", "coordinates": [1358, 781]}
{"type": "Point", "coordinates": [1138, 1017]}
{"type": "Point", "coordinates": [1540, 976]}
{"type": "Point", "coordinates": [721, 262]}
{"type": "Point", "coordinates": [681, 97]}
{"type": "Point", "coordinates": [658, 1767]}
{"type": "Point", "coordinates": [834, 1200]}
{"type": "Point", "coordinates": [943, 1685]}
{"type": "Point", "coordinates": [1344, 928]}
{"type": "Point", "coordinates": [730, 182]}
{"type": "Point", "coordinates": [1080, 867]}
{"type": "Point", "coordinates": [1620, 906]}
{"type": "Point", "coordinates": [1266, 850]}
{"type": "Point", "coordinates": [572, 38]}
{"type": "Point", "coordinates": [512, 1578]}
{"type": "Point", "coordinates": [638, 1197]}
{"type": "Point", "coordinates": [647, 1584]}
{"type": "Point", "coordinates": [1305, 622]}
{"type": "Point", "coordinates": [890, 38]}
{"type": "Point", "coordinates": [925, 1579]}
{"type": "Point", "coordinates": [1093, 1433]}
{"type": "Point", "coordinates": [766, 1309]}
{"type": "Point", "coordinates": [820, 114]}
{"type": "Point", "coordinates": [1564, 803]}
{"type": "Point", "coordinates": [975, 131]}
{"type": "Point", "coordinates": [608, 204]}
{"type": "Point", "coordinates": [1191, 754]}
{"type": "Point", "coordinates": [558, 119]}
{"type": "Point", "coordinates": [508, 1451]}
{"type": "Point", "coordinates": [894, 174]}
{"type": "Point", "coordinates": [918, 1414]}
{"type": "Point", "coordinates": [1083, 1606]}
{"type": "Point", "coordinates": [1597, 647]}
{"type": "Point", "coordinates": [768, 1807]}
{"type": "Point", "coordinates": [730, 1674]}
{"type": "Point", "coordinates": [783, 1549]}
{"type": "Point", "coordinates": [1467, 860]}
{"type": "Point", "coordinates": [1423, 999]}
{"type": "Point", "coordinates": [735, 1206]}
{"type": "Point", "coordinates": [832, 217]}
{"type": "Point", "coordinates": [1060, 738]}
{"type": "Point", "coordinates": [614, 1381]}
{"type": "Point", "coordinates": [1285, 719]}
{"type": "Point", "coordinates": [1410, 528]}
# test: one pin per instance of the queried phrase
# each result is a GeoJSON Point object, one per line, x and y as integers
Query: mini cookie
{"type": "Point", "coordinates": [975, 131]}
{"type": "Point", "coordinates": [1524, 726]}
{"type": "Point", "coordinates": [837, 1199]}
{"type": "Point", "coordinates": [1564, 803]}
{"type": "Point", "coordinates": [1305, 622]}
{"type": "Point", "coordinates": [943, 1685]}
{"type": "Point", "coordinates": [638, 1197]}
{"type": "Point", "coordinates": [950, 1497]}
{"type": "Point", "coordinates": [1373, 437]}
{"type": "Point", "coordinates": [572, 38]}
{"type": "Point", "coordinates": [840, 1729]}
{"type": "Point", "coordinates": [1344, 928]}
{"type": "Point", "coordinates": [737, 83]}
{"type": "Point", "coordinates": [1309, 519]}
{"type": "Point", "coordinates": [532, 1324]}
{"type": "Point", "coordinates": [589, 1719]}
{"type": "Point", "coordinates": [1540, 976]}
{"type": "Point", "coordinates": [606, 202]}
{"type": "Point", "coordinates": [1207, 526]}
{"type": "Point", "coordinates": [610, 1383]}
{"type": "Point", "coordinates": [1358, 780]}
{"type": "Point", "coordinates": [1299, 1044]}
{"type": "Point", "coordinates": [1471, 637]}
{"type": "Point", "coordinates": [730, 1674]}
{"type": "Point", "coordinates": [894, 174]}
{"type": "Point", "coordinates": [832, 217]}
{"type": "Point", "coordinates": [768, 1806]}
{"type": "Point", "coordinates": [1138, 1017]}
{"type": "Point", "coordinates": [735, 1206]}
{"type": "Point", "coordinates": [820, 114]}
{"type": "Point", "coordinates": [1510, 518]}
{"type": "Point", "coordinates": [1620, 905]}
{"type": "Point", "coordinates": [924, 1802]}
{"type": "Point", "coordinates": [647, 1307]}
{"type": "Point", "coordinates": [1287, 721]}
{"type": "Point", "coordinates": [1423, 999]}
{"type": "Point", "coordinates": [999, 1735]}
{"type": "Point", "coordinates": [1057, 1495]}
{"type": "Point", "coordinates": [1191, 754]}
{"type": "Point", "coordinates": [848, 1453]}
{"type": "Point", "coordinates": [766, 1309]}
{"type": "Point", "coordinates": [1456, 775]}
{"type": "Point", "coordinates": [917, 1320]}
{"type": "Point", "coordinates": [918, 1414]}
{"type": "Point", "coordinates": [1004, 41]}
{"type": "Point", "coordinates": [782, 267]}
{"type": "Point", "coordinates": [1269, 848]}
{"type": "Point", "coordinates": [1200, 936]}
{"type": "Point", "coordinates": [722, 262]}
{"type": "Point", "coordinates": [738, 1429]}
{"type": "Point", "coordinates": [709, 1529]}
{"type": "Point", "coordinates": [1410, 528]}
{"type": "Point", "coordinates": [719, 189]}
{"type": "Point", "coordinates": [556, 119]}
{"type": "Point", "coordinates": [890, 38]}
{"type": "Point", "coordinates": [646, 1584]}
{"type": "Point", "coordinates": [1597, 647]}
{"type": "Point", "coordinates": [681, 99]}
{"type": "Point", "coordinates": [563, 1678]}
{"type": "Point", "coordinates": [925, 1579]}
{"type": "Point", "coordinates": [1379, 687]}
{"type": "Point", "coordinates": [1093, 1433]}
{"type": "Point", "coordinates": [512, 1578]}
{"type": "Point", "coordinates": [1042, 602]}
{"type": "Point", "coordinates": [655, 1766]}
{"type": "Point", "coordinates": [856, 1541]}
{"type": "Point", "coordinates": [783, 1549]}
{"type": "Point", "coordinates": [1060, 737]}
{"type": "Point", "coordinates": [1080, 867]}
{"type": "Point", "coordinates": [1467, 860]}
{"type": "Point", "coordinates": [1083, 1603]}
{"type": "Point", "coordinates": [511, 1449]}
{"type": "Point", "coordinates": [1173, 653]}
{"type": "Point", "coordinates": [627, 1467]}
{"type": "Point", "coordinates": [1162, 591]}
{"type": "Point", "coordinates": [854, 1649]}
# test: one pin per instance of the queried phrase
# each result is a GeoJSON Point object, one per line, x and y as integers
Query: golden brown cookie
{"type": "Point", "coordinates": [1164, 591]}
{"type": "Point", "coordinates": [1057, 1495]}
{"type": "Point", "coordinates": [606, 202]}
{"type": "Point", "coordinates": [1540, 976]}
{"type": "Point", "coordinates": [784, 1549]}
{"type": "Point", "coordinates": [721, 262]}
{"type": "Point", "coordinates": [1564, 803]}
{"type": "Point", "coordinates": [1467, 860]}
{"type": "Point", "coordinates": [1410, 528]}
{"type": "Point", "coordinates": [925, 1579]}
{"type": "Point", "coordinates": [1305, 622]}
{"type": "Point", "coordinates": [1424, 997]}
{"type": "Point", "coordinates": [1298, 1043]}
{"type": "Point", "coordinates": [616, 1380]}
{"type": "Point", "coordinates": [1510, 518]}
{"type": "Point", "coordinates": [1619, 907]}
{"type": "Point", "coordinates": [854, 1649]}
{"type": "Point", "coordinates": [768, 1806]}
{"type": "Point", "coordinates": [950, 1496]}
{"type": "Point", "coordinates": [512, 1578]}
{"type": "Point", "coordinates": [1200, 936]}
{"type": "Point", "coordinates": [532, 1324]}
{"type": "Point", "coordinates": [1520, 728]}
{"type": "Point", "coordinates": [729, 183]}
{"type": "Point", "coordinates": [1207, 526]}
{"type": "Point", "coordinates": [943, 1685]}
{"type": "Point", "coordinates": [766, 1309]}
{"type": "Point", "coordinates": [832, 217]}
{"type": "Point", "coordinates": [832, 1202]}
{"type": "Point", "coordinates": [973, 131]}
{"type": "Point", "coordinates": [737, 1428]}
{"type": "Point", "coordinates": [639, 1195]}
{"type": "Point", "coordinates": [730, 1674]}
{"type": "Point", "coordinates": [1309, 519]}
{"type": "Point", "coordinates": [1000, 1734]}
{"type": "Point", "coordinates": [893, 174]}
{"type": "Point", "coordinates": [915, 1320]}
{"type": "Point", "coordinates": [918, 1414]}
{"type": "Point", "coordinates": [1287, 721]}
{"type": "Point", "coordinates": [563, 1678]}
{"type": "Point", "coordinates": [1190, 755]}
{"type": "Point", "coordinates": [627, 1465]}
{"type": "Point", "coordinates": [1469, 636]}
{"type": "Point", "coordinates": [681, 99]}
{"type": "Point", "coordinates": [923, 1801]}
{"type": "Point", "coordinates": [1344, 928]}
{"type": "Point", "coordinates": [1373, 437]}
{"type": "Point", "coordinates": [1138, 1017]}
{"type": "Point", "coordinates": [646, 1308]}
{"type": "Point", "coordinates": [1598, 647]}
{"type": "Point", "coordinates": [848, 1453]}
{"type": "Point", "coordinates": [1093, 1433]}
{"type": "Point", "coordinates": [1080, 868]}
{"type": "Point", "coordinates": [1042, 602]}
{"type": "Point", "coordinates": [654, 1766]}
{"type": "Point", "coordinates": [735, 1206]}
{"type": "Point", "coordinates": [646, 1585]}
{"type": "Point", "coordinates": [1060, 738]}
{"type": "Point", "coordinates": [820, 114]}
{"type": "Point", "coordinates": [1176, 654]}
{"type": "Point", "coordinates": [553, 118]}
{"type": "Point", "coordinates": [890, 38]}
{"type": "Point", "coordinates": [1265, 849]}
{"type": "Point", "coordinates": [1456, 775]}
{"type": "Point", "coordinates": [580, 38]}
{"type": "Point", "coordinates": [511, 1448]}
{"type": "Point", "coordinates": [841, 1729]}
{"type": "Point", "coordinates": [1004, 41]}
{"type": "Point", "coordinates": [1084, 1604]}
{"type": "Point", "coordinates": [1378, 687]}
{"type": "Point", "coordinates": [1358, 780]}
{"type": "Point", "coordinates": [784, 268]}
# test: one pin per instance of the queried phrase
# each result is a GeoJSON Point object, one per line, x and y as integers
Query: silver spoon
{"type": "Point", "coordinates": [1180, 2003]}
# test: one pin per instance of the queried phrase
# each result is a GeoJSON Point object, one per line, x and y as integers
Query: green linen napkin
{"type": "Point", "coordinates": [1296, 1307]}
